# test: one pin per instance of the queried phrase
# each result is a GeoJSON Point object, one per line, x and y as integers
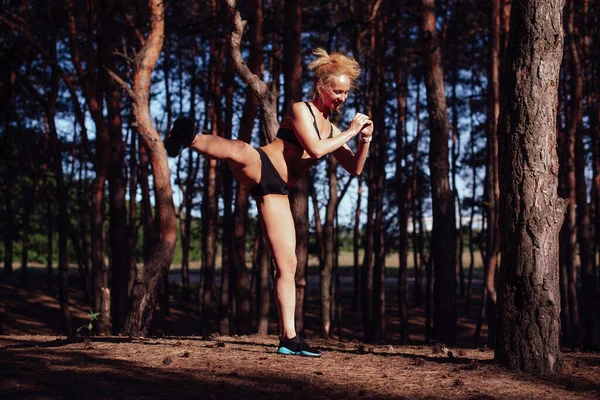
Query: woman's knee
{"type": "Point", "coordinates": [287, 267]}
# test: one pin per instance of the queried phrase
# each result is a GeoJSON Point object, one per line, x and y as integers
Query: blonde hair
{"type": "Point", "coordinates": [327, 66]}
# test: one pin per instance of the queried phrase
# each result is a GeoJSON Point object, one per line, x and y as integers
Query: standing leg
{"type": "Point", "coordinates": [278, 223]}
{"type": "Point", "coordinates": [276, 216]}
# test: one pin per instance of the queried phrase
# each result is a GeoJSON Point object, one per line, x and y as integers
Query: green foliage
{"type": "Point", "coordinates": [93, 316]}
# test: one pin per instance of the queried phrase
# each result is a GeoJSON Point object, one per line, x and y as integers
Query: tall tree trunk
{"type": "Point", "coordinates": [328, 249]}
{"type": "Point", "coordinates": [403, 196]}
{"type": "Point", "coordinates": [228, 224]}
{"type": "Point", "coordinates": [595, 145]}
{"type": "Point", "coordinates": [92, 89]}
{"type": "Point", "coordinates": [145, 285]}
{"type": "Point", "coordinates": [356, 241]}
{"type": "Point", "coordinates": [28, 209]}
{"type": "Point", "coordinates": [8, 235]}
{"type": "Point", "coordinates": [132, 237]}
{"type": "Point", "coordinates": [49, 238]}
{"type": "Point", "coordinates": [61, 196]}
{"type": "Point", "coordinates": [119, 253]}
{"type": "Point", "coordinates": [242, 195]}
{"type": "Point", "coordinates": [472, 218]}
{"type": "Point", "coordinates": [455, 155]}
{"type": "Point", "coordinates": [416, 202]}
{"type": "Point", "coordinates": [584, 233]}
{"type": "Point", "coordinates": [569, 230]}
{"type": "Point", "coordinates": [443, 241]}
{"type": "Point", "coordinates": [210, 210]}
{"type": "Point", "coordinates": [531, 213]}
{"type": "Point", "coordinates": [492, 185]}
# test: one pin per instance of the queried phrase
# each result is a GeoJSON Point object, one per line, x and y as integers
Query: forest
{"type": "Point", "coordinates": [475, 224]}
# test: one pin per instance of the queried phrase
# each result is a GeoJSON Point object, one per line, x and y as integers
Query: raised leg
{"type": "Point", "coordinates": [242, 158]}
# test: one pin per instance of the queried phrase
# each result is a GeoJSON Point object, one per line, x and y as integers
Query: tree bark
{"type": "Point", "coordinates": [531, 213]}
{"type": "Point", "coordinates": [145, 285]}
{"type": "Point", "coordinates": [242, 195]}
{"type": "Point", "coordinates": [443, 241]}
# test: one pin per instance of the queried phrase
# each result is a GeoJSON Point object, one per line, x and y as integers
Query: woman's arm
{"type": "Point", "coordinates": [304, 129]}
{"type": "Point", "coordinates": [355, 162]}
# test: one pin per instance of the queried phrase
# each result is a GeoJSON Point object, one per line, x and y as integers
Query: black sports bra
{"type": "Point", "coordinates": [288, 135]}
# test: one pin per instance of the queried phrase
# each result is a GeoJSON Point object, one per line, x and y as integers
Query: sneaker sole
{"type": "Point", "coordinates": [287, 352]}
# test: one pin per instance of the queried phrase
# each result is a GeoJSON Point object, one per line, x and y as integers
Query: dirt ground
{"type": "Point", "coordinates": [49, 367]}
{"type": "Point", "coordinates": [35, 362]}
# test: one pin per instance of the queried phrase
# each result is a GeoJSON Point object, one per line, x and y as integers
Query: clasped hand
{"type": "Point", "coordinates": [362, 124]}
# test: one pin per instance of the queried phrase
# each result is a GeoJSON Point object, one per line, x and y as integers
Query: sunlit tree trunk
{"type": "Point", "coordinates": [242, 195]}
{"type": "Point", "coordinates": [145, 286]}
{"type": "Point", "coordinates": [531, 213]}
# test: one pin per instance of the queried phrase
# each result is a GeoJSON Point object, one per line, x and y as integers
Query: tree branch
{"type": "Point", "coordinates": [121, 83]}
{"type": "Point", "coordinates": [267, 97]}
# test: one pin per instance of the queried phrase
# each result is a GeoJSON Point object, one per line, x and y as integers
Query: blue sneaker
{"type": "Point", "coordinates": [182, 135]}
{"type": "Point", "coordinates": [297, 347]}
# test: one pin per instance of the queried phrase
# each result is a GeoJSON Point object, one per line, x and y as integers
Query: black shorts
{"type": "Point", "coordinates": [270, 181]}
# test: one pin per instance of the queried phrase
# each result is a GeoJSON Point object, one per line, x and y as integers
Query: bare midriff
{"type": "Point", "coordinates": [290, 161]}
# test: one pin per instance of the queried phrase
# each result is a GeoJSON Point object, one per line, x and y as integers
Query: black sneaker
{"type": "Point", "coordinates": [182, 135]}
{"type": "Point", "coordinates": [298, 347]}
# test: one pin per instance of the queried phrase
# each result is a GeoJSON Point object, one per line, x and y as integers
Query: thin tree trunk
{"type": "Point", "coordinates": [327, 242]}
{"type": "Point", "coordinates": [443, 241]}
{"type": "Point", "coordinates": [92, 88]}
{"type": "Point", "coordinates": [262, 287]}
{"type": "Point", "coordinates": [570, 227]}
{"type": "Point", "coordinates": [132, 217]}
{"type": "Point", "coordinates": [586, 246]}
{"type": "Point", "coordinates": [416, 193]}
{"type": "Point", "coordinates": [356, 240]}
{"type": "Point", "coordinates": [61, 196]}
{"type": "Point", "coordinates": [531, 213]}
{"type": "Point", "coordinates": [242, 196]}
{"type": "Point", "coordinates": [228, 225]}
{"type": "Point", "coordinates": [117, 188]}
{"type": "Point", "coordinates": [403, 196]}
{"type": "Point", "coordinates": [49, 238]}
{"type": "Point", "coordinates": [492, 185]}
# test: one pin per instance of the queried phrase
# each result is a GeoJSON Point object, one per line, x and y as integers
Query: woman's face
{"type": "Point", "coordinates": [336, 92]}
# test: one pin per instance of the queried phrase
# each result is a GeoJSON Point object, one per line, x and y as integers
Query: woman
{"type": "Point", "coordinates": [304, 136]}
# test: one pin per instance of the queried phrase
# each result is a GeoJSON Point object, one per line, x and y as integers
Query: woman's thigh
{"type": "Point", "coordinates": [245, 163]}
{"type": "Point", "coordinates": [278, 225]}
